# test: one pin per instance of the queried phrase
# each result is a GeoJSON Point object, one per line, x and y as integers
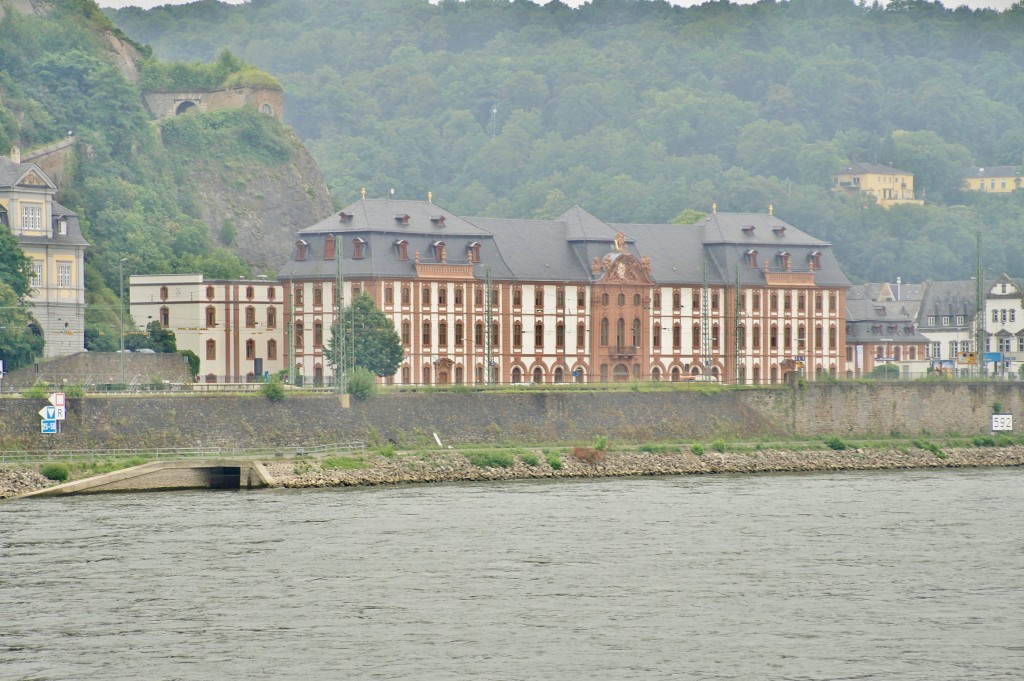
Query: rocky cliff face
{"type": "Point", "coordinates": [257, 212]}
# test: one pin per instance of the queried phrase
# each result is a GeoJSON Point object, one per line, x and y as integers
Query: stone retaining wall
{"type": "Point", "coordinates": [410, 419]}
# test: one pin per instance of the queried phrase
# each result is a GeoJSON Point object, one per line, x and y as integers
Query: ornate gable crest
{"type": "Point", "coordinates": [33, 179]}
{"type": "Point", "coordinates": [623, 268]}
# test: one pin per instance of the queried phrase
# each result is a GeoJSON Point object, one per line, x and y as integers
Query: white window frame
{"type": "Point", "coordinates": [37, 274]}
{"type": "Point", "coordinates": [63, 275]}
{"type": "Point", "coordinates": [32, 217]}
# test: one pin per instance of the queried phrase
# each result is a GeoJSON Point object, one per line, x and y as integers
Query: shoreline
{"type": "Point", "coordinates": [444, 467]}
{"type": "Point", "coordinates": [451, 466]}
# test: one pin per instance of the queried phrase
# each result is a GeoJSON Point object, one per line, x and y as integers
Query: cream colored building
{"type": "Point", "coordinates": [994, 179]}
{"type": "Point", "coordinates": [888, 186]}
{"type": "Point", "coordinates": [49, 234]}
{"type": "Point", "coordinates": [235, 327]}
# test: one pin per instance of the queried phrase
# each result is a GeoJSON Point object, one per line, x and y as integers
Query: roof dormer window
{"type": "Point", "coordinates": [344, 217]}
{"type": "Point", "coordinates": [783, 258]}
{"type": "Point", "coordinates": [402, 219]}
{"type": "Point", "coordinates": [473, 252]}
{"type": "Point", "coordinates": [814, 259]}
{"type": "Point", "coordinates": [751, 258]}
{"type": "Point", "coordinates": [749, 230]}
{"type": "Point", "coordinates": [437, 220]}
{"type": "Point", "coordinates": [301, 249]}
{"type": "Point", "coordinates": [358, 247]}
{"type": "Point", "coordinates": [780, 230]}
{"type": "Point", "coordinates": [329, 247]}
{"type": "Point", "coordinates": [439, 254]}
{"type": "Point", "coordinates": [402, 249]}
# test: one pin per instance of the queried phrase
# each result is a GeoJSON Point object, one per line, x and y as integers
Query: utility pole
{"type": "Point", "coordinates": [488, 322]}
{"type": "Point", "coordinates": [705, 324]}
{"type": "Point", "coordinates": [120, 279]}
{"type": "Point", "coordinates": [981, 337]}
{"type": "Point", "coordinates": [340, 374]}
{"type": "Point", "coordinates": [738, 329]}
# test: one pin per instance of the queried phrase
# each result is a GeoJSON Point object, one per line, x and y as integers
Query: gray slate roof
{"type": "Point", "coordinates": [561, 249]}
{"type": "Point", "coordinates": [993, 171]}
{"type": "Point", "coordinates": [876, 168]}
{"type": "Point", "coordinates": [11, 174]}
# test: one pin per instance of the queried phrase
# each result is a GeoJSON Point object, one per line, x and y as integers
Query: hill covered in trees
{"type": "Point", "coordinates": [638, 110]}
{"type": "Point", "coordinates": [141, 188]}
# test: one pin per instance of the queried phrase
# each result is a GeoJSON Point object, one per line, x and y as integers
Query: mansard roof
{"type": "Point", "coordinates": [562, 249]}
{"type": "Point", "coordinates": [873, 168]}
{"type": "Point", "coordinates": [12, 174]}
{"type": "Point", "coordinates": [994, 171]}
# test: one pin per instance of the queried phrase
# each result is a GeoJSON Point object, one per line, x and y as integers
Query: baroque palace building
{"type": "Point", "coordinates": [736, 297]}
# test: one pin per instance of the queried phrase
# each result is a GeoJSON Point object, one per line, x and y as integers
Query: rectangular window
{"type": "Point", "coordinates": [952, 349]}
{"type": "Point", "coordinates": [37, 274]}
{"type": "Point", "coordinates": [32, 218]}
{"type": "Point", "coordinates": [945, 320]}
{"type": "Point", "coordinates": [63, 275]}
{"type": "Point", "coordinates": [935, 350]}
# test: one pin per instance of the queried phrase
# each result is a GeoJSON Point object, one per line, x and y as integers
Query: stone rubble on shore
{"type": "Point", "coordinates": [451, 466]}
{"type": "Point", "coordinates": [17, 481]}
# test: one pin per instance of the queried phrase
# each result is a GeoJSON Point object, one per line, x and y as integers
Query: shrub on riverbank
{"type": "Point", "coordinates": [490, 459]}
{"type": "Point", "coordinates": [55, 471]}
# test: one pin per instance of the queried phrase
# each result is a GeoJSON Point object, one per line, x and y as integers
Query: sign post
{"type": "Point", "coordinates": [53, 413]}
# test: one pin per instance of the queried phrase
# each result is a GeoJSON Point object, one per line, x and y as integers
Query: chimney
{"type": "Point", "coordinates": [15, 154]}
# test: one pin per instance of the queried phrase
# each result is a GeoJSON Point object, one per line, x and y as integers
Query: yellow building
{"type": "Point", "coordinates": [994, 179]}
{"type": "Point", "coordinates": [888, 186]}
{"type": "Point", "coordinates": [49, 234]}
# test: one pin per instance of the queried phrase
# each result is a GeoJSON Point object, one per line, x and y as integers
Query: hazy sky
{"type": "Point", "coordinates": [994, 4]}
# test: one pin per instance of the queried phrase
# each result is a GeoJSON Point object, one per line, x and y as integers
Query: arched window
{"type": "Point", "coordinates": [560, 335]}
{"type": "Point", "coordinates": [165, 316]}
{"type": "Point", "coordinates": [620, 332]}
{"type": "Point", "coordinates": [755, 337]}
{"type": "Point", "coordinates": [787, 337]}
{"type": "Point", "coordinates": [329, 245]}
{"type": "Point", "coordinates": [636, 332]}
{"type": "Point", "coordinates": [655, 374]}
{"type": "Point", "coordinates": [458, 295]}
{"type": "Point", "coordinates": [714, 336]}
{"type": "Point", "coordinates": [714, 300]}
{"type": "Point", "coordinates": [425, 296]}
{"type": "Point", "coordinates": [301, 250]}
{"type": "Point", "coordinates": [358, 248]}
{"type": "Point", "coordinates": [677, 336]}
{"type": "Point", "coordinates": [211, 316]}
{"type": "Point", "coordinates": [538, 334]}
{"type": "Point", "coordinates": [773, 302]}
{"type": "Point", "coordinates": [271, 293]}
{"type": "Point", "coordinates": [250, 293]}
{"type": "Point", "coordinates": [559, 376]}
{"type": "Point", "coordinates": [426, 334]}
{"type": "Point", "coordinates": [442, 295]}
{"type": "Point", "coordinates": [773, 337]}
{"type": "Point", "coordinates": [405, 295]}
{"type": "Point", "coordinates": [406, 375]}
{"type": "Point", "coordinates": [581, 335]}
{"type": "Point", "coordinates": [695, 340]}
{"type": "Point", "coordinates": [250, 316]}
{"type": "Point", "coordinates": [271, 349]}
{"type": "Point", "coordinates": [495, 338]}
{"type": "Point", "coordinates": [517, 375]}
{"type": "Point", "coordinates": [818, 337]}
{"type": "Point", "coordinates": [442, 334]}
{"type": "Point", "coordinates": [656, 338]}
{"type": "Point", "coordinates": [209, 293]}
{"type": "Point", "coordinates": [604, 331]}
{"type": "Point", "coordinates": [426, 375]}
{"type": "Point", "coordinates": [676, 374]}
{"type": "Point", "coordinates": [459, 335]}
{"type": "Point", "coordinates": [389, 295]}
{"type": "Point", "coordinates": [300, 295]}
{"type": "Point", "coordinates": [271, 317]}
{"type": "Point", "coordinates": [402, 249]}
{"type": "Point", "coordinates": [478, 334]}
{"type": "Point", "coordinates": [832, 337]}
{"type": "Point", "coordinates": [211, 349]}
{"type": "Point", "coordinates": [250, 349]}
{"type": "Point", "coordinates": [636, 300]}
{"type": "Point", "coordinates": [163, 293]}
{"type": "Point", "coordinates": [406, 333]}
{"type": "Point", "coordinates": [318, 295]}
{"type": "Point", "coordinates": [517, 335]}
{"type": "Point", "coordinates": [621, 299]}
{"type": "Point", "coordinates": [604, 299]}
{"type": "Point", "coordinates": [299, 329]}
{"type": "Point", "coordinates": [517, 296]}
{"type": "Point", "coordinates": [538, 297]}
{"type": "Point", "coordinates": [318, 333]}
{"type": "Point", "coordinates": [538, 375]}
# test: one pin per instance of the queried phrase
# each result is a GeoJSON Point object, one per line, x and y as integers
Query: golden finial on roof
{"type": "Point", "coordinates": [364, 192]}
{"type": "Point", "coordinates": [430, 197]}
{"type": "Point", "coordinates": [714, 207]}
{"type": "Point", "coordinates": [771, 209]}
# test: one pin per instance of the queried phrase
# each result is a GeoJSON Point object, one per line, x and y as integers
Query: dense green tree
{"type": "Point", "coordinates": [21, 339]}
{"type": "Point", "coordinates": [369, 338]}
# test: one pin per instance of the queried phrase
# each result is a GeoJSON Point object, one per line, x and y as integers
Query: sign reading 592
{"type": "Point", "coordinates": [1002, 421]}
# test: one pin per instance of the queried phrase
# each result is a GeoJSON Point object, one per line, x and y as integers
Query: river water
{"type": "Point", "coordinates": [861, 575]}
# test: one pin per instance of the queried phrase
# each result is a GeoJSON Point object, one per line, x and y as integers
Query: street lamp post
{"type": "Point", "coordinates": [120, 278]}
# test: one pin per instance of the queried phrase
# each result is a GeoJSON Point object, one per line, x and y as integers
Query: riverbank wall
{"type": "Point", "coordinates": [849, 409]}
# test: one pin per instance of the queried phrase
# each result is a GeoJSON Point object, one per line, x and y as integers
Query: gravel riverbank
{"type": "Point", "coordinates": [451, 466]}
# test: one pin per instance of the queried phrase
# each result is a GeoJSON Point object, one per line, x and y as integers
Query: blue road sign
{"type": "Point", "coordinates": [48, 426]}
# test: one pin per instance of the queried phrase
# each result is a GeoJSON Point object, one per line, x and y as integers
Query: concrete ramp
{"type": "Point", "coordinates": [168, 475]}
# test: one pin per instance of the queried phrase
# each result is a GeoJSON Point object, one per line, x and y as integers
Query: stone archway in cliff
{"type": "Point", "coordinates": [184, 107]}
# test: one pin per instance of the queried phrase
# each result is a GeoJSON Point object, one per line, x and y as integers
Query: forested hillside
{"type": "Point", "coordinates": [638, 110]}
{"type": "Point", "coordinates": [65, 69]}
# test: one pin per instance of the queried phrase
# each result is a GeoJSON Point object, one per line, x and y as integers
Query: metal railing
{"type": "Point", "coordinates": [176, 453]}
